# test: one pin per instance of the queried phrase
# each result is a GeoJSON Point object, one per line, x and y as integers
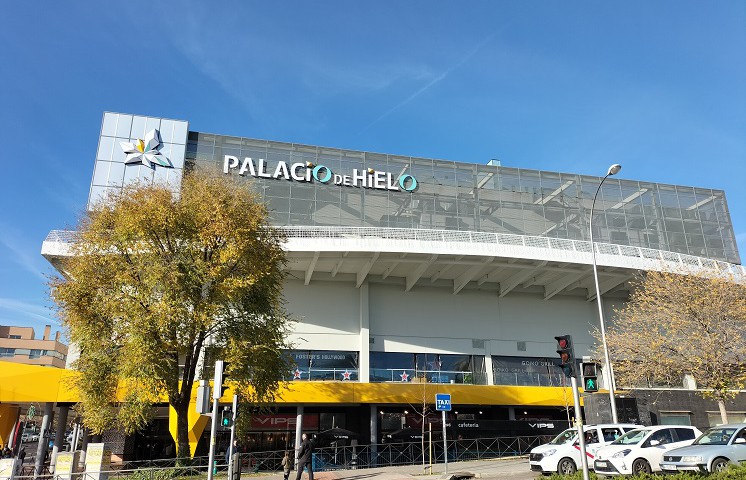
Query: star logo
{"type": "Point", "coordinates": [404, 376]}
{"type": "Point", "coordinates": [296, 374]}
{"type": "Point", "coordinates": [146, 151]}
{"type": "Point", "coordinates": [346, 375]}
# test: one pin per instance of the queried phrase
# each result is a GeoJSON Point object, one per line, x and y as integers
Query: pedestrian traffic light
{"type": "Point", "coordinates": [567, 355]}
{"type": "Point", "coordinates": [590, 376]}
{"type": "Point", "coordinates": [227, 418]}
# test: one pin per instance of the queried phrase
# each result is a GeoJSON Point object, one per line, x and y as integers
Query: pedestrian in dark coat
{"type": "Point", "coordinates": [305, 458]}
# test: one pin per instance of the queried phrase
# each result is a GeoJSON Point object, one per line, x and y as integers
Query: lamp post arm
{"type": "Point", "coordinates": [609, 367]}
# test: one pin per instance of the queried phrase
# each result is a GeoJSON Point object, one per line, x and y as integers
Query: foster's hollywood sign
{"type": "Point", "coordinates": [308, 172]}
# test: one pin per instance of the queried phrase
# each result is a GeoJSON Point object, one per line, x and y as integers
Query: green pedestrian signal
{"type": "Point", "coordinates": [591, 384]}
{"type": "Point", "coordinates": [590, 376]}
{"type": "Point", "coordinates": [227, 418]}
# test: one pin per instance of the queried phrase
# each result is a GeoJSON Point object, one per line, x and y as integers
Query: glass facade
{"type": "Point", "coordinates": [111, 172]}
{"type": "Point", "coordinates": [527, 371]}
{"type": "Point", "coordinates": [427, 368]}
{"type": "Point", "coordinates": [486, 198]}
{"type": "Point", "coordinates": [322, 365]}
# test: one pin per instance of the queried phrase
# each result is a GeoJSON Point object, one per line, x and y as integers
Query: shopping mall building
{"type": "Point", "coordinates": [412, 276]}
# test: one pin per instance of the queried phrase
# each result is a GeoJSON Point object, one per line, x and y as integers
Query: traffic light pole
{"type": "Point", "coordinates": [579, 424]}
{"type": "Point", "coordinates": [217, 383]}
{"type": "Point", "coordinates": [231, 460]}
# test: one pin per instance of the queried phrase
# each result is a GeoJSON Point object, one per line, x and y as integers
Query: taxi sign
{"type": "Point", "coordinates": [443, 402]}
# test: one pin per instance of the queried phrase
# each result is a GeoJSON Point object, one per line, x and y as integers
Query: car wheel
{"type": "Point", "coordinates": [719, 464]}
{"type": "Point", "coordinates": [641, 466]}
{"type": "Point", "coordinates": [566, 467]}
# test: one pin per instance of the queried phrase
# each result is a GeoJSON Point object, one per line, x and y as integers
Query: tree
{"type": "Point", "coordinates": [154, 278]}
{"type": "Point", "coordinates": [683, 323]}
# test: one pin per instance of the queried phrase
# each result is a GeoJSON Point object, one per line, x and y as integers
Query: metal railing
{"type": "Point", "coordinates": [506, 239]}
{"type": "Point", "coordinates": [324, 459]}
{"type": "Point", "coordinates": [393, 454]}
{"type": "Point", "coordinates": [409, 375]}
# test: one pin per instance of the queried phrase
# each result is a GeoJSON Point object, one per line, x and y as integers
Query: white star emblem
{"type": "Point", "coordinates": [146, 151]}
{"type": "Point", "coordinates": [404, 376]}
{"type": "Point", "coordinates": [296, 374]}
{"type": "Point", "coordinates": [346, 375]}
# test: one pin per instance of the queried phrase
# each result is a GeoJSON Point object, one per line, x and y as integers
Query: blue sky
{"type": "Point", "coordinates": [659, 87]}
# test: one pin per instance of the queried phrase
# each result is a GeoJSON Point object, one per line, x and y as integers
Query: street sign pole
{"type": "Point", "coordinates": [217, 383]}
{"type": "Point", "coordinates": [579, 423]}
{"type": "Point", "coordinates": [231, 455]}
{"type": "Point", "coordinates": [443, 403]}
{"type": "Point", "coordinates": [445, 442]}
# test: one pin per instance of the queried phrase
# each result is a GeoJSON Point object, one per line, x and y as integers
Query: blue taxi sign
{"type": "Point", "coordinates": [443, 402]}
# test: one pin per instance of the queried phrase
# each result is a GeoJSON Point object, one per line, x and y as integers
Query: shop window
{"type": "Point", "coordinates": [714, 418]}
{"type": "Point", "coordinates": [529, 371]}
{"type": "Point", "coordinates": [675, 418]}
{"type": "Point", "coordinates": [426, 368]}
{"type": "Point", "coordinates": [323, 365]}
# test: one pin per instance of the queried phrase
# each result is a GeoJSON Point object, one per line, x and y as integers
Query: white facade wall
{"type": "Point", "coordinates": [331, 315]}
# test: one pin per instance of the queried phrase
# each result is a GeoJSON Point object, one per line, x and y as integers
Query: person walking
{"type": "Point", "coordinates": [287, 465]}
{"type": "Point", "coordinates": [305, 458]}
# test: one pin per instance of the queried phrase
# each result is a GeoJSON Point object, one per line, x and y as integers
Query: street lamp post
{"type": "Point", "coordinates": [613, 170]}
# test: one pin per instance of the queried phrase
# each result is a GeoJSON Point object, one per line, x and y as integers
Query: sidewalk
{"type": "Point", "coordinates": [500, 467]}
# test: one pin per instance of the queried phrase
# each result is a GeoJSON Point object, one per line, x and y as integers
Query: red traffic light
{"type": "Point", "coordinates": [567, 354]}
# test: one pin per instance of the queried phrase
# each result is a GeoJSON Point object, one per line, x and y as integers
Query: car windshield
{"type": "Point", "coordinates": [633, 437]}
{"type": "Point", "coordinates": [564, 437]}
{"type": "Point", "coordinates": [715, 436]}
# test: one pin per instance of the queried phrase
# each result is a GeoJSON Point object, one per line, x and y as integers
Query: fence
{"type": "Point", "coordinates": [325, 459]}
{"type": "Point", "coordinates": [393, 454]}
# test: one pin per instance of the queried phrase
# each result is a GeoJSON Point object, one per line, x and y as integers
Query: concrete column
{"type": "Point", "coordinates": [363, 374]}
{"type": "Point", "coordinates": [511, 413]}
{"type": "Point", "coordinates": [76, 432]}
{"type": "Point", "coordinates": [84, 445]}
{"type": "Point", "coordinates": [41, 448]}
{"type": "Point", "coordinates": [59, 436]}
{"type": "Point", "coordinates": [488, 362]}
{"type": "Point", "coordinates": [298, 430]}
{"type": "Point", "coordinates": [373, 433]}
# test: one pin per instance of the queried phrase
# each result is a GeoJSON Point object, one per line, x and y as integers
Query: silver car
{"type": "Point", "coordinates": [711, 452]}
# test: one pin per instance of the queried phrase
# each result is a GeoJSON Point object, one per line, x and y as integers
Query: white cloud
{"type": "Point", "coordinates": [27, 311]}
{"type": "Point", "coordinates": [29, 260]}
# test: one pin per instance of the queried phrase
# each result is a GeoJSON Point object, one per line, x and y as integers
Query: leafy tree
{"type": "Point", "coordinates": [683, 323]}
{"type": "Point", "coordinates": [153, 279]}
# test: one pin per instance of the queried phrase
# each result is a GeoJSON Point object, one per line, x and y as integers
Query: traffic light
{"type": "Point", "coordinates": [567, 355]}
{"type": "Point", "coordinates": [227, 419]}
{"type": "Point", "coordinates": [590, 376]}
{"type": "Point", "coordinates": [219, 386]}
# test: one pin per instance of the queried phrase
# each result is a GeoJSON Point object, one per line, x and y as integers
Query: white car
{"type": "Point", "coordinates": [641, 450]}
{"type": "Point", "coordinates": [712, 452]}
{"type": "Point", "coordinates": [562, 454]}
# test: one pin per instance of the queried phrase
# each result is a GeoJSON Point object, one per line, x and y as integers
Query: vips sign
{"type": "Point", "coordinates": [308, 172]}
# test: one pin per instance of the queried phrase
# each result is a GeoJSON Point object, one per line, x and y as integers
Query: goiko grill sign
{"type": "Point", "coordinates": [308, 172]}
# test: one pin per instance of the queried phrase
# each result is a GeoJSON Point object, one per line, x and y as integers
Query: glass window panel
{"type": "Point", "coordinates": [301, 191]}
{"type": "Point", "coordinates": [117, 152]}
{"type": "Point", "coordinates": [124, 124]}
{"type": "Point", "coordinates": [105, 148]}
{"type": "Point", "coordinates": [278, 203]}
{"type": "Point", "coordinates": [101, 173]}
{"type": "Point", "coordinates": [109, 125]}
{"type": "Point", "coordinates": [674, 225]}
{"type": "Point", "coordinates": [116, 174]}
{"type": "Point", "coordinates": [138, 129]}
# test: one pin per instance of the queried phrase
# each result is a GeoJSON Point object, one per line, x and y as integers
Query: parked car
{"type": "Point", "coordinates": [29, 437]}
{"type": "Point", "coordinates": [641, 450]}
{"type": "Point", "coordinates": [712, 452]}
{"type": "Point", "coordinates": [562, 454]}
